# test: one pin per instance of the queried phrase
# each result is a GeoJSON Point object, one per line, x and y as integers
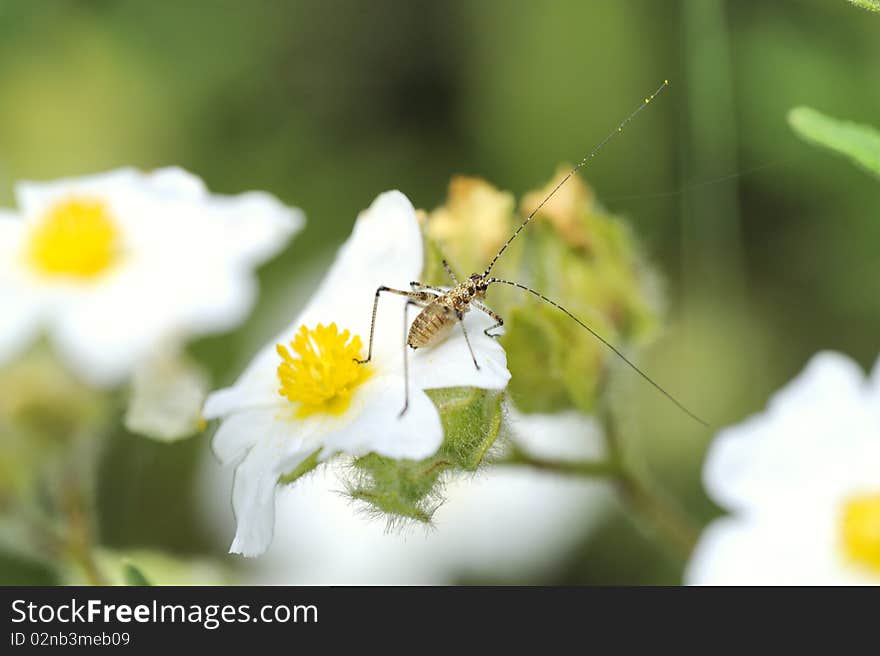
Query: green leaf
{"type": "Point", "coordinates": [471, 420]}
{"type": "Point", "coordinates": [399, 488]}
{"type": "Point", "coordinates": [412, 489]}
{"type": "Point", "coordinates": [533, 342]}
{"type": "Point", "coordinates": [133, 576]}
{"type": "Point", "coordinates": [870, 5]}
{"type": "Point", "coordinates": [861, 143]}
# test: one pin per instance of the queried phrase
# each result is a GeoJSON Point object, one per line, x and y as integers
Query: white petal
{"type": "Point", "coordinates": [33, 198]}
{"type": "Point", "coordinates": [731, 552]}
{"type": "Point", "coordinates": [263, 447]}
{"type": "Point", "coordinates": [21, 307]}
{"type": "Point", "coordinates": [167, 393]}
{"type": "Point", "coordinates": [255, 225]}
{"type": "Point", "coordinates": [809, 438]}
{"type": "Point", "coordinates": [449, 363]}
{"type": "Point", "coordinates": [385, 248]}
{"type": "Point", "coordinates": [371, 257]}
{"type": "Point", "coordinates": [796, 549]}
{"type": "Point", "coordinates": [11, 231]}
{"type": "Point", "coordinates": [20, 321]}
{"type": "Point", "coordinates": [253, 493]}
{"type": "Point", "coordinates": [827, 375]}
{"type": "Point", "coordinates": [380, 427]}
{"type": "Point", "coordinates": [102, 334]}
{"type": "Point", "coordinates": [176, 183]}
{"type": "Point", "coordinates": [241, 431]}
{"type": "Point", "coordinates": [875, 386]}
{"type": "Point", "coordinates": [239, 398]}
{"type": "Point", "coordinates": [217, 302]}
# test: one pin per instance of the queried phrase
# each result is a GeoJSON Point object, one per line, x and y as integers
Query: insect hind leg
{"type": "Point", "coordinates": [406, 356]}
{"type": "Point", "coordinates": [413, 296]}
{"type": "Point", "coordinates": [467, 340]}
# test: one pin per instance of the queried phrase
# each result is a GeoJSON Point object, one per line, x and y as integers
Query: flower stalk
{"type": "Point", "coordinates": [653, 508]}
{"type": "Point", "coordinates": [78, 539]}
{"type": "Point", "coordinates": [588, 468]}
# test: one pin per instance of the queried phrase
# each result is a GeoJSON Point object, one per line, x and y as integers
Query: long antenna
{"type": "Point", "coordinates": [583, 162]}
{"type": "Point", "coordinates": [611, 346]}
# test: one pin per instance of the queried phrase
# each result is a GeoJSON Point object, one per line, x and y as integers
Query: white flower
{"type": "Point", "coordinates": [802, 481]}
{"type": "Point", "coordinates": [284, 408]}
{"type": "Point", "coordinates": [510, 524]}
{"type": "Point", "coordinates": [111, 265]}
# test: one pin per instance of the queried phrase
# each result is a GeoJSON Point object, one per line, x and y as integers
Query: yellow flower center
{"type": "Point", "coordinates": [321, 374]}
{"type": "Point", "coordinates": [77, 237]}
{"type": "Point", "coordinates": [861, 530]}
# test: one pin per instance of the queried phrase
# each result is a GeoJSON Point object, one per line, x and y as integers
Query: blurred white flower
{"type": "Point", "coordinates": [111, 265]}
{"type": "Point", "coordinates": [802, 483]}
{"type": "Point", "coordinates": [505, 524]}
{"type": "Point", "coordinates": [305, 395]}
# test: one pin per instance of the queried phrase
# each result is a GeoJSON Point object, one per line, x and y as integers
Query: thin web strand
{"type": "Point", "coordinates": [580, 165]}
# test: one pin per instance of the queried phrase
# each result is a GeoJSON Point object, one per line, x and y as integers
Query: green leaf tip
{"type": "Point", "coordinates": [860, 143]}
{"type": "Point", "coordinates": [134, 576]}
{"type": "Point", "coordinates": [870, 5]}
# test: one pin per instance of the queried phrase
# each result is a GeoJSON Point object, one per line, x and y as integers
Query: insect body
{"type": "Point", "coordinates": [446, 309]}
{"type": "Point", "coordinates": [443, 309]}
{"type": "Point", "coordinates": [437, 319]}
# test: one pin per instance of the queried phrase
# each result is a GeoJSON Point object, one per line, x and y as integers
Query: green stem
{"type": "Point", "coordinates": [657, 512]}
{"type": "Point", "coordinates": [78, 535]}
{"type": "Point", "coordinates": [586, 468]}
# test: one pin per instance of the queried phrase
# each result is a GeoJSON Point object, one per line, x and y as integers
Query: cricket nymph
{"type": "Point", "coordinates": [434, 323]}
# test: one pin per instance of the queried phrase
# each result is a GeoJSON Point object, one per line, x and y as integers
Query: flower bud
{"type": "Point", "coordinates": [471, 226]}
{"type": "Point", "coordinates": [573, 252]}
{"type": "Point", "coordinates": [587, 261]}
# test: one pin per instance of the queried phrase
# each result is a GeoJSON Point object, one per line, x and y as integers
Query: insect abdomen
{"type": "Point", "coordinates": [431, 325]}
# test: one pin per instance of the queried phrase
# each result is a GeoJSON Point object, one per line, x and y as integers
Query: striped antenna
{"type": "Point", "coordinates": [582, 163]}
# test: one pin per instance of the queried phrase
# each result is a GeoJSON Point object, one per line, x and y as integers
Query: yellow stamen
{"type": "Point", "coordinates": [861, 530]}
{"type": "Point", "coordinates": [77, 237]}
{"type": "Point", "coordinates": [324, 375]}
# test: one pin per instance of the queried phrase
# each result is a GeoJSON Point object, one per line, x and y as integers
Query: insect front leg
{"type": "Point", "coordinates": [495, 317]}
{"type": "Point", "coordinates": [418, 297]}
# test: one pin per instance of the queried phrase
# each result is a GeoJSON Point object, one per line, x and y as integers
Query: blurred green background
{"type": "Point", "coordinates": [769, 248]}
